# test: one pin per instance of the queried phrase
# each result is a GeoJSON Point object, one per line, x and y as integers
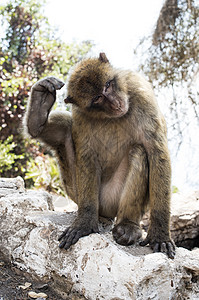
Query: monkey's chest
{"type": "Point", "coordinates": [106, 142]}
{"type": "Point", "coordinates": [108, 148]}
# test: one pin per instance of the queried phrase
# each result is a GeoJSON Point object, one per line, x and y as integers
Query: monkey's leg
{"type": "Point", "coordinates": [87, 183]}
{"type": "Point", "coordinates": [158, 236]}
{"type": "Point", "coordinates": [133, 200]}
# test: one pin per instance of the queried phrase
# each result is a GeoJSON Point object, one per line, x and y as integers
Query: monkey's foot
{"type": "Point", "coordinates": [166, 246]}
{"type": "Point", "coordinates": [126, 233]}
{"type": "Point", "coordinates": [73, 233]}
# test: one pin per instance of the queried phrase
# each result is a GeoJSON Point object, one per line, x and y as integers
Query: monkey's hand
{"type": "Point", "coordinates": [127, 233]}
{"type": "Point", "coordinates": [159, 243]}
{"type": "Point", "coordinates": [78, 229]}
{"type": "Point", "coordinates": [43, 96]}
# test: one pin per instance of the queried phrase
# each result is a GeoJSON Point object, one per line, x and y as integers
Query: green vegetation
{"type": "Point", "coordinates": [29, 50]}
{"type": "Point", "coordinates": [175, 189]}
{"type": "Point", "coordinates": [44, 173]}
{"type": "Point", "coordinates": [7, 155]}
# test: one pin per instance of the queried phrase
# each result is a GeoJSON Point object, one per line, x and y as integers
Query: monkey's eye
{"type": "Point", "coordinates": [108, 83]}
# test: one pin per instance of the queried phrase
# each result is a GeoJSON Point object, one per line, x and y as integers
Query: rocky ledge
{"type": "Point", "coordinates": [96, 267]}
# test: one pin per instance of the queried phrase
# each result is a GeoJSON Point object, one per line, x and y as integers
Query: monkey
{"type": "Point", "coordinates": [112, 151]}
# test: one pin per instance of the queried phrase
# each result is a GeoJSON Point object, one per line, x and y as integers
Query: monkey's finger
{"type": "Point", "coordinates": [156, 247]}
{"type": "Point", "coordinates": [68, 234]}
{"type": "Point", "coordinates": [145, 242]}
{"type": "Point", "coordinates": [122, 240]}
{"type": "Point", "coordinates": [49, 87]}
{"type": "Point", "coordinates": [67, 246]}
{"type": "Point", "coordinates": [49, 83]}
{"type": "Point", "coordinates": [63, 234]}
{"type": "Point", "coordinates": [163, 248]}
{"type": "Point", "coordinates": [72, 239]}
{"type": "Point", "coordinates": [74, 235]}
{"type": "Point", "coordinates": [66, 242]}
{"type": "Point", "coordinates": [62, 244]}
{"type": "Point", "coordinates": [55, 83]}
{"type": "Point", "coordinates": [76, 238]}
{"type": "Point", "coordinates": [126, 240]}
{"type": "Point", "coordinates": [134, 238]}
{"type": "Point", "coordinates": [171, 250]}
{"type": "Point", "coordinates": [118, 230]}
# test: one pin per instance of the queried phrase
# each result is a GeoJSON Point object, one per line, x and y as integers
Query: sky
{"type": "Point", "coordinates": [115, 26]}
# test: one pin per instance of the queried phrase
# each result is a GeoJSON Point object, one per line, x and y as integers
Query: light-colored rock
{"type": "Point", "coordinates": [37, 295]}
{"type": "Point", "coordinates": [63, 204]}
{"type": "Point", "coordinates": [185, 216]}
{"type": "Point", "coordinates": [95, 267]}
{"type": "Point", "coordinates": [11, 185]}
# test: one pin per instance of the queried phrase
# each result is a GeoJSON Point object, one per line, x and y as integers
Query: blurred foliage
{"type": "Point", "coordinates": [170, 55]}
{"type": "Point", "coordinates": [29, 50]}
{"type": "Point", "coordinates": [43, 173]}
{"type": "Point", "coordinates": [175, 189]}
{"type": "Point", "coordinates": [7, 155]}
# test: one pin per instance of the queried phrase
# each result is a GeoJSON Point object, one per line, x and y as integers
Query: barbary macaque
{"type": "Point", "coordinates": [112, 151]}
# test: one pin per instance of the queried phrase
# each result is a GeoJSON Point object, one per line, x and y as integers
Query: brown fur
{"type": "Point", "coordinates": [112, 151]}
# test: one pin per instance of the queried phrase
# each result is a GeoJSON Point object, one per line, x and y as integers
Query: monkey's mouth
{"type": "Point", "coordinates": [120, 113]}
{"type": "Point", "coordinates": [119, 108]}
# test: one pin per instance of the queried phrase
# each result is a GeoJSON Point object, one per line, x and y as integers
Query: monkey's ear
{"type": "Point", "coordinates": [103, 58]}
{"type": "Point", "coordinates": [68, 100]}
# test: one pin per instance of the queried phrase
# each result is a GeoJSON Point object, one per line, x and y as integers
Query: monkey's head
{"type": "Point", "coordinates": [96, 88]}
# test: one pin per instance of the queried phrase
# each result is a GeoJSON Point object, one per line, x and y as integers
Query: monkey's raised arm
{"type": "Point", "coordinates": [42, 98]}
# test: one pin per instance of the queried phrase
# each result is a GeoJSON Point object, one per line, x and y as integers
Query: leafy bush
{"type": "Point", "coordinates": [29, 51]}
{"type": "Point", "coordinates": [7, 155]}
{"type": "Point", "coordinates": [44, 173]}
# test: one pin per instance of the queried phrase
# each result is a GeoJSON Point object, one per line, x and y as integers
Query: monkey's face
{"type": "Point", "coordinates": [95, 88]}
{"type": "Point", "coordinates": [113, 102]}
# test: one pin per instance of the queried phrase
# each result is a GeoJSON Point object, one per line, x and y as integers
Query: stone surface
{"type": "Point", "coordinates": [11, 185]}
{"type": "Point", "coordinates": [185, 216]}
{"type": "Point", "coordinates": [95, 267]}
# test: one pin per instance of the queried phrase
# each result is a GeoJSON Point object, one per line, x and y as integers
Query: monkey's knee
{"type": "Point", "coordinates": [134, 198]}
{"type": "Point", "coordinates": [138, 159]}
{"type": "Point", "coordinates": [140, 175]}
{"type": "Point", "coordinates": [57, 129]}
